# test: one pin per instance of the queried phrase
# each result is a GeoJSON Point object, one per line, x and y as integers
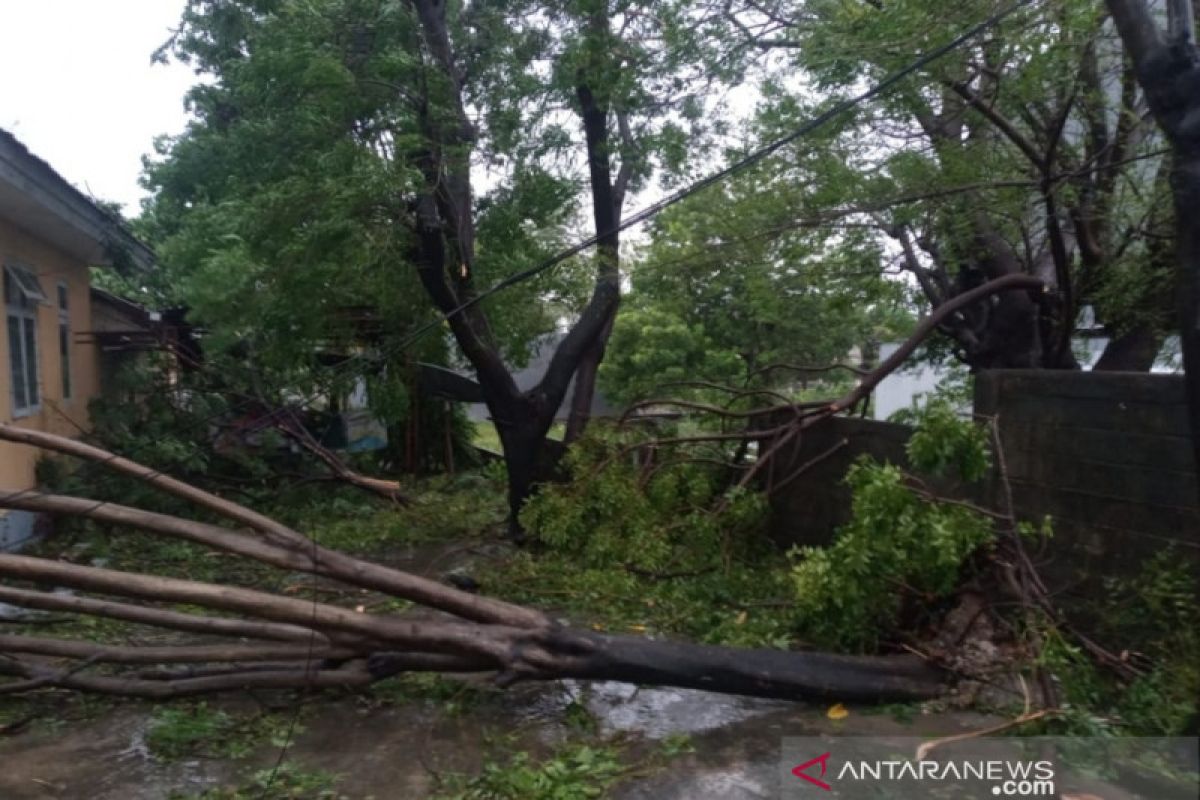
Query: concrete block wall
{"type": "Point", "coordinates": [1106, 455]}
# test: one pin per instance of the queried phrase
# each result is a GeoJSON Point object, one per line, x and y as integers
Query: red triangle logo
{"type": "Point", "coordinates": [800, 771]}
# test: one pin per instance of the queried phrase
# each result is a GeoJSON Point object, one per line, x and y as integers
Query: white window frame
{"type": "Point", "coordinates": [66, 379]}
{"type": "Point", "coordinates": [22, 300]}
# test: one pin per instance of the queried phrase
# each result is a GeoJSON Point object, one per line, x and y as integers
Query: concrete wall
{"type": "Point", "coordinates": [1106, 455]}
{"type": "Point", "coordinates": [57, 415]}
{"type": "Point", "coordinates": [809, 509]}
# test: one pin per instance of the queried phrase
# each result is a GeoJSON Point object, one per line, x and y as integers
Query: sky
{"type": "Point", "coordinates": [79, 90]}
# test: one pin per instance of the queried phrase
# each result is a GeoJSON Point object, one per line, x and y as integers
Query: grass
{"type": "Point", "coordinates": [575, 771]}
{"type": "Point", "coordinates": [453, 697]}
{"type": "Point", "coordinates": [487, 438]}
{"type": "Point", "coordinates": [581, 767]}
{"type": "Point", "coordinates": [742, 604]}
{"type": "Point", "coordinates": [196, 729]}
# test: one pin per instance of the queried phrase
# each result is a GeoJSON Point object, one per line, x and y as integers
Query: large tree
{"type": "Point", "coordinates": [719, 296]}
{"type": "Point", "coordinates": [1168, 68]}
{"type": "Point", "coordinates": [1026, 151]}
{"type": "Point", "coordinates": [335, 155]}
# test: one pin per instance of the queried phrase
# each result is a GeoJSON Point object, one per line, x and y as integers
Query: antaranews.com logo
{"type": "Point", "coordinates": [1007, 778]}
{"type": "Point", "coordinates": [982, 768]}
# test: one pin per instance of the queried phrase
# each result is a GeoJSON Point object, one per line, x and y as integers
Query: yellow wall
{"type": "Point", "coordinates": [56, 415]}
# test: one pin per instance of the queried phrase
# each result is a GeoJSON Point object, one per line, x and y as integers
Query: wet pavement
{"type": "Point", "coordinates": [397, 752]}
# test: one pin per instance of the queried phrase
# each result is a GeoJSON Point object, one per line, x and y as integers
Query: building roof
{"type": "Point", "coordinates": [36, 198]}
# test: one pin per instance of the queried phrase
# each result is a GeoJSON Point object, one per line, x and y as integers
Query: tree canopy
{"type": "Point", "coordinates": [357, 169]}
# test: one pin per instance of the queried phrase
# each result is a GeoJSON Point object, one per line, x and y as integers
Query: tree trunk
{"type": "Point", "coordinates": [1168, 69]}
{"type": "Point", "coordinates": [445, 265]}
{"type": "Point", "coordinates": [522, 438]}
{"type": "Point", "coordinates": [606, 202]}
{"type": "Point", "coordinates": [1185, 183]}
{"type": "Point", "coordinates": [729, 670]}
{"type": "Point", "coordinates": [584, 396]}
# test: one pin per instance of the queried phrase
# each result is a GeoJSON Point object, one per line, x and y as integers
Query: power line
{"type": "Point", "coordinates": [650, 212]}
{"type": "Point", "coordinates": [753, 158]}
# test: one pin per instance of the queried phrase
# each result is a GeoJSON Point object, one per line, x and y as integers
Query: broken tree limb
{"type": "Point", "coordinates": [172, 654]}
{"type": "Point", "coordinates": [927, 326]}
{"type": "Point", "coordinates": [157, 617]}
{"type": "Point", "coordinates": [310, 557]}
{"type": "Point", "coordinates": [287, 424]}
{"type": "Point", "coordinates": [353, 674]}
{"type": "Point", "coordinates": [489, 635]}
{"type": "Point", "coordinates": [218, 505]}
{"type": "Point", "coordinates": [362, 573]}
{"type": "Point", "coordinates": [515, 654]}
{"type": "Point", "coordinates": [328, 619]}
{"type": "Point", "coordinates": [787, 420]}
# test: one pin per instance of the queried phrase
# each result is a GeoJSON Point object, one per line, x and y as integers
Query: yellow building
{"type": "Point", "coordinates": [50, 233]}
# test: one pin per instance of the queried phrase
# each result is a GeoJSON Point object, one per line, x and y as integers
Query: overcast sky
{"type": "Point", "coordinates": [78, 88]}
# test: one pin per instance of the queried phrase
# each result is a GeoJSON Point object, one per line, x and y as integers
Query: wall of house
{"type": "Point", "coordinates": [56, 414]}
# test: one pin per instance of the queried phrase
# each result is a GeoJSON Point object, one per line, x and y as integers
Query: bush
{"type": "Point", "coordinates": [615, 512]}
{"type": "Point", "coordinates": [898, 542]}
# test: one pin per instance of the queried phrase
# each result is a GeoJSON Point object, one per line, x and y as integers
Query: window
{"type": "Point", "coordinates": [64, 338]}
{"type": "Point", "coordinates": [22, 296]}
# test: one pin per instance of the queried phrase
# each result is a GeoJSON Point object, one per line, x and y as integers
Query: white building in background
{"type": "Point", "coordinates": [902, 388]}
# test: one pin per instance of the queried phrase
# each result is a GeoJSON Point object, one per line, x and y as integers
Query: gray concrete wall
{"type": "Point", "coordinates": [1105, 455]}
{"type": "Point", "coordinates": [808, 509]}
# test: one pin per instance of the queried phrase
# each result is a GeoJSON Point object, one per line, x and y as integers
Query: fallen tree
{"type": "Point", "coordinates": [284, 642]}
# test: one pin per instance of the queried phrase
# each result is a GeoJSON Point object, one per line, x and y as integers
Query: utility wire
{"type": "Point", "coordinates": [651, 211]}
{"type": "Point", "coordinates": [644, 215]}
{"type": "Point", "coordinates": [641, 216]}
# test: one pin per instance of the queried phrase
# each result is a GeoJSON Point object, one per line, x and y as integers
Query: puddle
{"type": "Point", "coordinates": [104, 760]}
{"type": "Point", "coordinates": [653, 713]}
{"type": "Point", "coordinates": [397, 752]}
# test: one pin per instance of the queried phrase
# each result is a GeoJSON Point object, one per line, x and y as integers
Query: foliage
{"type": "Point", "coordinates": [650, 547]}
{"type": "Point", "coordinates": [721, 293]}
{"type": "Point", "coordinates": [944, 444]}
{"type": "Point", "coordinates": [949, 187]}
{"type": "Point", "coordinates": [164, 426]}
{"type": "Point", "coordinates": [650, 516]}
{"type": "Point", "coordinates": [197, 729]}
{"type": "Point", "coordinates": [286, 212]}
{"type": "Point", "coordinates": [574, 772]}
{"type": "Point", "coordinates": [1154, 616]}
{"type": "Point", "coordinates": [747, 603]}
{"type": "Point", "coordinates": [898, 541]}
